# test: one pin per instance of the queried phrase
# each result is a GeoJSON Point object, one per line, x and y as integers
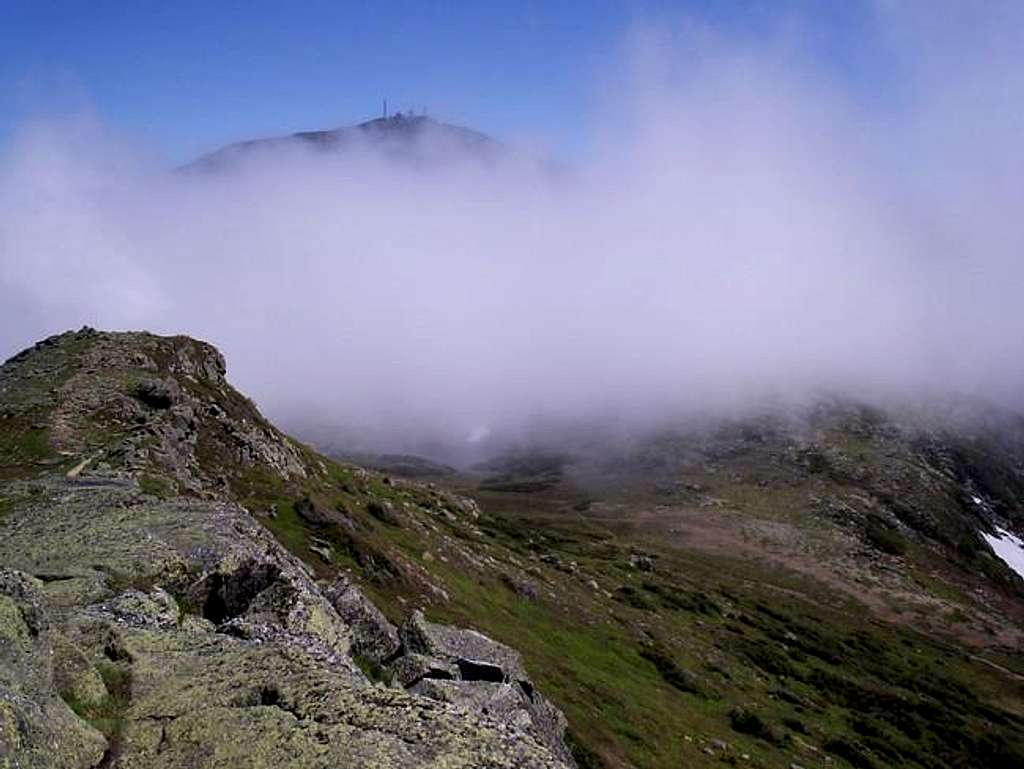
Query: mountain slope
{"type": "Point", "coordinates": [676, 598]}
{"type": "Point", "coordinates": [148, 619]}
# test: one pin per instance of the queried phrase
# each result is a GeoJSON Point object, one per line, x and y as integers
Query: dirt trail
{"type": "Point", "coordinates": [74, 471]}
{"type": "Point", "coordinates": [997, 666]}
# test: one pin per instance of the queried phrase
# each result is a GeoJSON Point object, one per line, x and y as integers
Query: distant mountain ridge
{"type": "Point", "coordinates": [400, 136]}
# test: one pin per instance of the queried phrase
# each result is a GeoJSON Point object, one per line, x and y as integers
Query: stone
{"type": "Point", "coordinates": [641, 562]}
{"type": "Point", "coordinates": [311, 512]}
{"type": "Point", "coordinates": [218, 702]}
{"type": "Point", "coordinates": [259, 652]}
{"type": "Point", "coordinates": [458, 645]}
{"type": "Point", "coordinates": [498, 700]}
{"type": "Point", "coordinates": [485, 672]}
{"type": "Point", "coordinates": [74, 675]}
{"type": "Point", "coordinates": [373, 637]}
{"type": "Point", "coordinates": [158, 393]}
{"type": "Point", "coordinates": [411, 668]}
{"type": "Point", "coordinates": [37, 728]}
{"type": "Point", "coordinates": [384, 511]}
{"type": "Point", "coordinates": [133, 607]}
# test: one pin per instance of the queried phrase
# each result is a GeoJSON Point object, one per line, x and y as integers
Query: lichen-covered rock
{"type": "Point", "coordinates": [37, 728]}
{"type": "Point", "coordinates": [431, 638]}
{"type": "Point", "coordinates": [158, 393]}
{"type": "Point", "coordinates": [411, 668]}
{"type": "Point", "coordinates": [74, 675]}
{"type": "Point", "coordinates": [477, 673]}
{"type": "Point", "coordinates": [272, 590]}
{"type": "Point", "coordinates": [211, 701]}
{"type": "Point", "coordinates": [133, 607]}
{"type": "Point", "coordinates": [231, 653]}
{"type": "Point", "coordinates": [498, 700]}
{"type": "Point", "coordinates": [373, 637]}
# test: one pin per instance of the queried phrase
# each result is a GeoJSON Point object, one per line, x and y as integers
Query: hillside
{"type": "Point", "coordinates": [146, 619]}
{"type": "Point", "coordinates": [184, 585]}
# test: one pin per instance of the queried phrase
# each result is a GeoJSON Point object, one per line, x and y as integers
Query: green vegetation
{"type": "Point", "coordinates": [25, 430]}
{"type": "Point", "coordinates": [107, 716]}
{"type": "Point", "coordinates": [661, 648]}
{"type": "Point", "coordinates": [702, 648]}
{"type": "Point", "coordinates": [371, 669]}
{"type": "Point", "coordinates": [157, 486]}
{"type": "Point", "coordinates": [24, 446]}
{"type": "Point", "coordinates": [885, 538]}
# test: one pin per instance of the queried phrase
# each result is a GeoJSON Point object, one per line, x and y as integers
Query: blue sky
{"type": "Point", "coordinates": [185, 77]}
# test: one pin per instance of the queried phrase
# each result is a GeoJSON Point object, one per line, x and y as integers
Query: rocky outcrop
{"type": "Point", "coordinates": [133, 403]}
{"type": "Point", "coordinates": [208, 700]}
{"type": "Point", "coordinates": [143, 628]}
{"type": "Point", "coordinates": [450, 664]}
{"type": "Point", "coordinates": [37, 728]}
{"type": "Point", "coordinates": [224, 649]}
{"type": "Point", "coordinates": [373, 637]}
{"type": "Point", "coordinates": [479, 674]}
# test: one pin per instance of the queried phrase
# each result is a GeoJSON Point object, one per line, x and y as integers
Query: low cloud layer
{"type": "Point", "coordinates": [745, 225]}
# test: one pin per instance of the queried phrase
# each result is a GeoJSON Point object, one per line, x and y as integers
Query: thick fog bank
{"type": "Point", "coordinates": [746, 225]}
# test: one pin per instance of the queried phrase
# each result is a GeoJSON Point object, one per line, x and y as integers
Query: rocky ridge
{"type": "Point", "coordinates": [147, 618]}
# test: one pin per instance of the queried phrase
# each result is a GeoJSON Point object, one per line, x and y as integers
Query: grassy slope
{"type": "Point", "coordinates": [24, 430]}
{"type": "Point", "coordinates": [652, 665]}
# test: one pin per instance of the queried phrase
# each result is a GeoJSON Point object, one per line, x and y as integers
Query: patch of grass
{"type": "Point", "coordinates": [35, 443]}
{"type": "Point", "coordinates": [774, 503]}
{"type": "Point", "coordinates": [158, 486]}
{"type": "Point", "coordinates": [289, 528]}
{"type": "Point", "coordinates": [373, 670]}
{"type": "Point", "coordinates": [24, 444]}
{"type": "Point", "coordinates": [585, 757]}
{"type": "Point", "coordinates": [747, 722]}
{"type": "Point", "coordinates": [885, 538]}
{"type": "Point", "coordinates": [674, 675]}
{"type": "Point", "coordinates": [107, 716]}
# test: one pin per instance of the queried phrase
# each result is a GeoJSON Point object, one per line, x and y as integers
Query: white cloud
{"type": "Point", "coordinates": [743, 228]}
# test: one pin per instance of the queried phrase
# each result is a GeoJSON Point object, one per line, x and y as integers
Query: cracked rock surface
{"type": "Point", "coordinates": [226, 651]}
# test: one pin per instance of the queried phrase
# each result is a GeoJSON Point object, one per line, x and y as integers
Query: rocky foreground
{"type": "Point", "coordinates": [147, 619]}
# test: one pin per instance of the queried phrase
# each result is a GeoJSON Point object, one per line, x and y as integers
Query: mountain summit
{"type": "Point", "coordinates": [407, 137]}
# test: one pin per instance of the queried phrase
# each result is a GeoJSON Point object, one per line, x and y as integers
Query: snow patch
{"type": "Point", "coordinates": [1009, 547]}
